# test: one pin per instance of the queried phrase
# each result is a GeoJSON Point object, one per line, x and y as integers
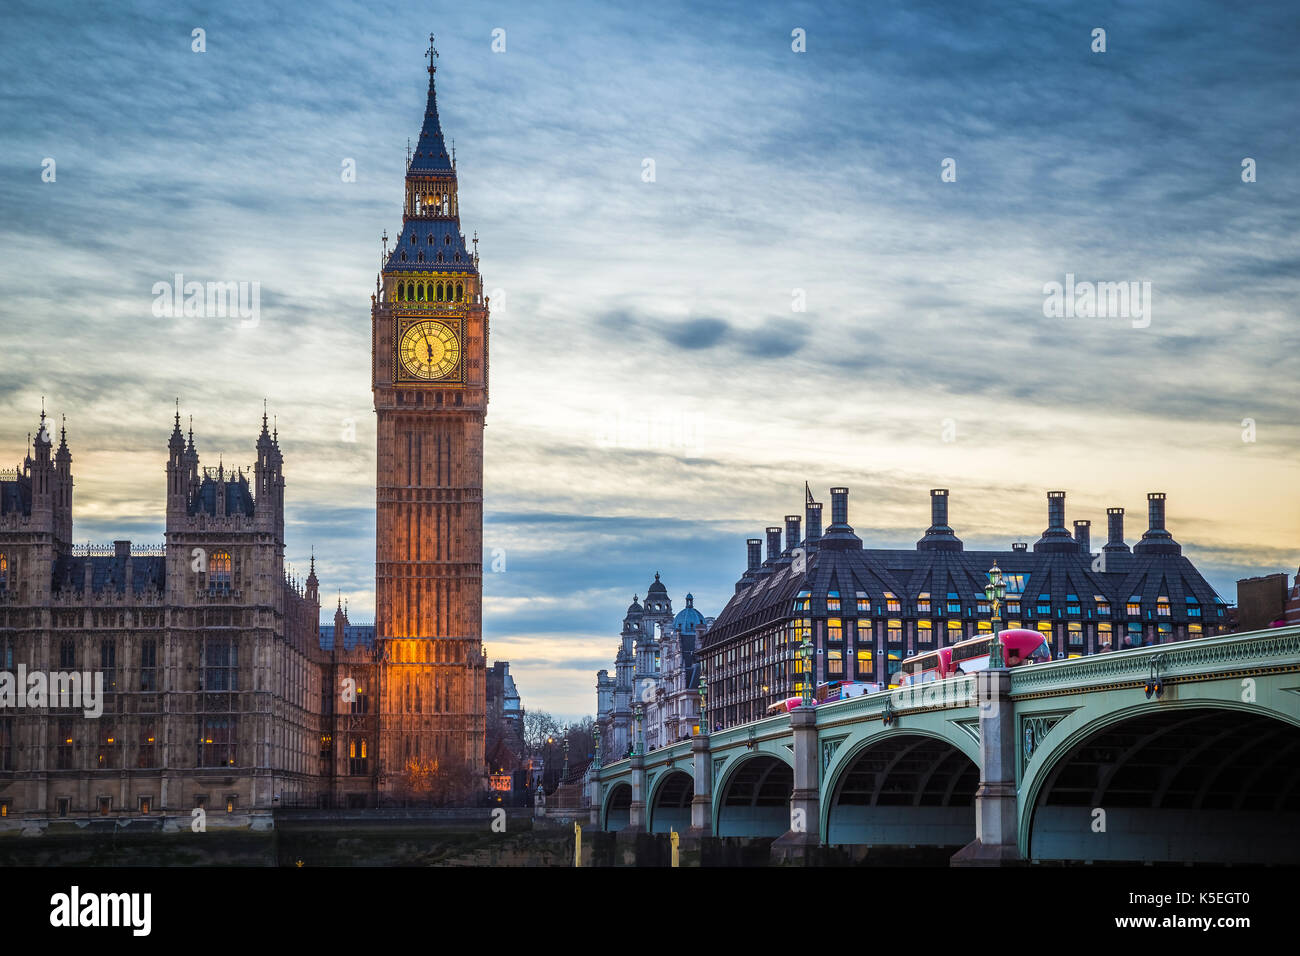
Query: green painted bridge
{"type": "Point", "coordinates": [1186, 752]}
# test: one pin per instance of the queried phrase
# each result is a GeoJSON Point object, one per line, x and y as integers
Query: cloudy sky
{"type": "Point", "coordinates": [798, 293]}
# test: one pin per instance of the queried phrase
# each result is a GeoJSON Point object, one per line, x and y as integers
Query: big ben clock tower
{"type": "Point", "coordinates": [429, 333]}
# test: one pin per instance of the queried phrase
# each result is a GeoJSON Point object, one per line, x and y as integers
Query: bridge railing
{"type": "Point", "coordinates": [1208, 655]}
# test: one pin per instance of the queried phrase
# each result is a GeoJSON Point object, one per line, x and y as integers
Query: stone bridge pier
{"type": "Point", "coordinates": [996, 809]}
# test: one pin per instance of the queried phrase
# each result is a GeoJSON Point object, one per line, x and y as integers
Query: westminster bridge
{"type": "Point", "coordinates": [1186, 752]}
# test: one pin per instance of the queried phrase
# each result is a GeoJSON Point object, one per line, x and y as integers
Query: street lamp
{"type": "Point", "coordinates": [995, 591]}
{"type": "Point", "coordinates": [595, 733]}
{"type": "Point", "coordinates": [704, 706]}
{"type": "Point", "coordinates": [565, 771]}
{"type": "Point", "coordinates": [638, 744]}
{"type": "Point", "coordinates": [805, 655]}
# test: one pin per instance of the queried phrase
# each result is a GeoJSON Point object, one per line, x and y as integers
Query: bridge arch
{"type": "Point", "coordinates": [905, 786]}
{"type": "Point", "coordinates": [669, 806]}
{"type": "Point", "coordinates": [752, 796]}
{"type": "Point", "coordinates": [617, 810]}
{"type": "Point", "coordinates": [1197, 780]}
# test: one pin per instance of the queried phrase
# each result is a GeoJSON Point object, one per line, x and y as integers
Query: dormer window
{"type": "Point", "coordinates": [430, 238]}
{"type": "Point", "coordinates": [446, 241]}
{"type": "Point", "coordinates": [420, 257]}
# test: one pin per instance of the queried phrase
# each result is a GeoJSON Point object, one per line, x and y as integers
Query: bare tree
{"type": "Point", "coordinates": [539, 726]}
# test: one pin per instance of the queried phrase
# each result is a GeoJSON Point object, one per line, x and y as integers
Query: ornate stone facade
{"type": "Point", "coordinates": [655, 669]}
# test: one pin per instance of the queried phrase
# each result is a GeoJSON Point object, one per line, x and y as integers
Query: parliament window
{"type": "Point", "coordinates": [217, 742]}
{"type": "Point", "coordinates": [219, 570]}
{"type": "Point", "coordinates": [108, 663]}
{"type": "Point", "coordinates": [834, 629]}
{"type": "Point", "coordinates": [147, 751]}
{"type": "Point", "coordinates": [220, 664]}
{"type": "Point", "coordinates": [864, 603]}
{"type": "Point", "coordinates": [924, 632]}
{"type": "Point", "coordinates": [149, 665]}
{"type": "Point", "coordinates": [4, 571]}
{"type": "Point", "coordinates": [63, 751]}
{"type": "Point", "coordinates": [835, 663]}
{"type": "Point", "coordinates": [891, 602]}
{"type": "Point", "coordinates": [923, 602]}
{"type": "Point", "coordinates": [832, 600]}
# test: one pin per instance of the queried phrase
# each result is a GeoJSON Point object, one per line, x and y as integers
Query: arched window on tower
{"type": "Point", "coordinates": [420, 292]}
{"type": "Point", "coordinates": [219, 570]}
{"type": "Point", "coordinates": [439, 291]}
{"type": "Point", "coordinates": [420, 257]}
{"type": "Point", "coordinates": [460, 292]}
{"type": "Point", "coordinates": [446, 205]}
{"type": "Point", "coordinates": [430, 238]}
{"type": "Point", "coordinates": [4, 571]}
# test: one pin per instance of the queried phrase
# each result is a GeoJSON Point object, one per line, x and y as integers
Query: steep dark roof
{"type": "Point", "coordinates": [354, 635]}
{"type": "Point", "coordinates": [909, 573]}
{"type": "Point", "coordinates": [16, 496]}
{"type": "Point", "coordinates": [148, 573]}
{"type": "Point", "coordinates": [238, 495]}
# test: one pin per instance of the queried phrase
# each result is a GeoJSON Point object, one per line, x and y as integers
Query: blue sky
{"type": "Point", "coordinates": [656, 396]}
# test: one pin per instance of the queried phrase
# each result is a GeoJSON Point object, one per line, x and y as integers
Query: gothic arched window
{"type": "Point", "coordinates": [4, 571]}
{"type": "Point", "coordinates": [219, 570]}
{"type": "Point", "coordinates": [430, 238]}
{"type": "Point", "coordinates": [446, 241]}
{"type": "Point", "coordinates": [439, 291]}
{"type": "Point", "coordinates": [420, 292]}
{"type": "Point", "coordinates": [460, 292]}
{"type": "Point", "coordinates": [403, 255]}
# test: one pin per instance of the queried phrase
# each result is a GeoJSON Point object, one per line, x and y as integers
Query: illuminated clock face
{"type": "Point", "coordinates": [428, 350]}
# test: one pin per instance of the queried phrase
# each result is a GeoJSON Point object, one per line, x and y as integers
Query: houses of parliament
{"type": "Point", "coordinates": [221, 690]}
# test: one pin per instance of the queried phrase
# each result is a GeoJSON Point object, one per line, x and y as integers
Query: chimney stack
{"type": "Point", "coordinates": [792, 538]}
{"type": "Point", "coordinates": [1057, 537]}
{"type": "Point", "coordinates": [754, 560]}
{"type": "Point", "coordinates": [1083, 535]}
{"type": "Point", "coordinates": [813, 518]}
{"type": "Point", "coordinates": [939, 536]}
{"type": "Point", "coordinates": [1157, 540]}
{"type": "Point", "coordinates": [1115, 530]}
{"type": "Point", "coordinates": [773, 544]}
{"type": "Point", "coordinates": [839, 536]}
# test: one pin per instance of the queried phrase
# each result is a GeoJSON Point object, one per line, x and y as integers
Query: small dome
{"type": "Point", "coordinates": [688, 620]}
{"type": "Point", "coordinates": [634, 607]}
{"type": "Point", "coordinates": [656, 588]}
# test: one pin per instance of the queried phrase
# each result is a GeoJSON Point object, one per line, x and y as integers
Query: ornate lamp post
{"type": "Point", "coordinates": [805, 655]}
{"type": "Point", "coordinates": [638, 743]}
{"type": "Point", "coordinates": [595, 733]}
{"type": "Point", "coordinates": [995, 591]}
{"type": "Point", "coordinates": [704, 705]}
{"type": "Point", "coordinates": [565, 771]}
